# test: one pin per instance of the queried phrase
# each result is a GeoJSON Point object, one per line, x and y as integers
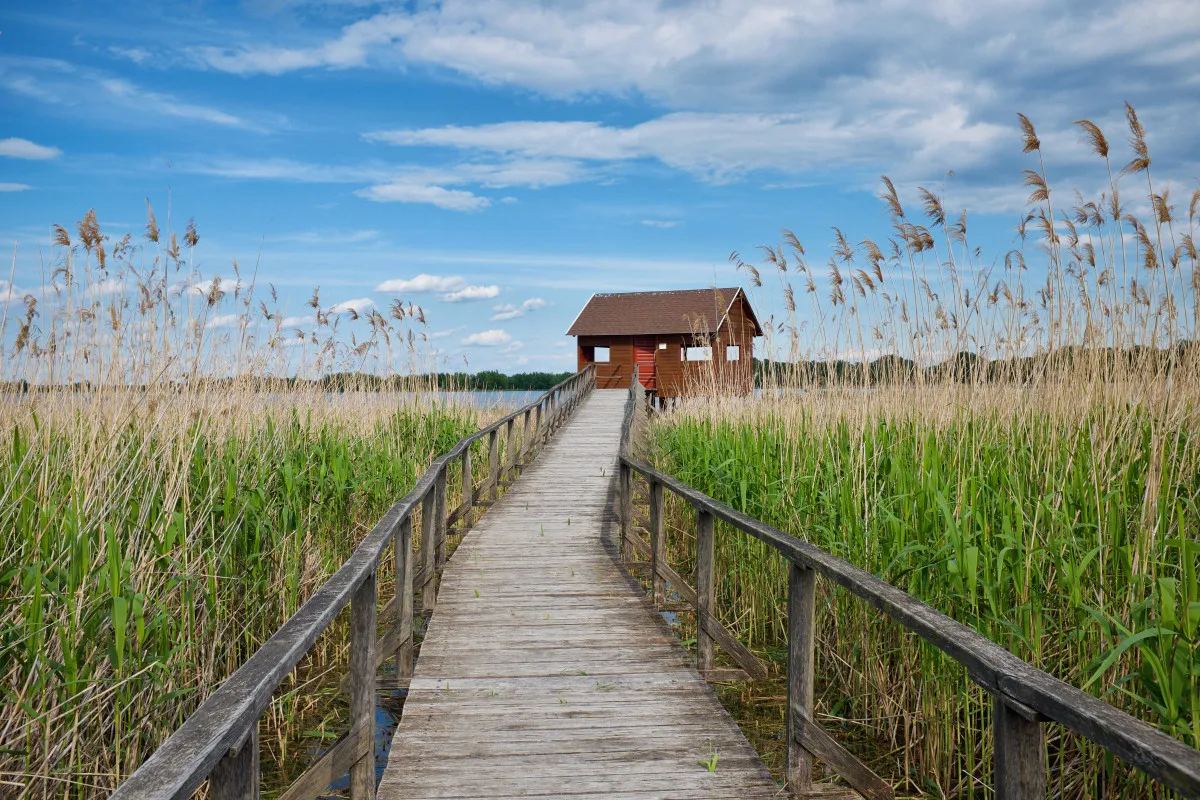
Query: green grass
{"type": "Point", "coordinates": [1034, 529]}
{"type": "Point", "coordinates": [143, 560]}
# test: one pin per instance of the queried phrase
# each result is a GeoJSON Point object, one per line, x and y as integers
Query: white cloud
{"type": "Point", "coordinates": [492, 338]}
{"type": "Point", "coordinates": [660, 223]}
{"type": "Point", "coordinates": [471, 293]}
{"type": "Point", "coordinates": [15, 187]}
{"type": "Point", "coordinates": [138, 55]}
{"type": "Point", "coordinates": [224, 285]}
{"type": "Point", "coordinates": [298, 322]}
{"type": "Point", "coordinates": [23, 148]}
{"type": "Point", "coordinates": [422, 283]}
{"type": "Point", "coordinates": [223, 321]}
{"type": "Point", "coordinates": [510, 311]}
{"type": "Point", "coordinates": [445, 333]}
{"type": "Point", "coordinates": [360, 306]}
{"type": "Point", "coordinates": [406, 192]}
{"type": "Point", "coordinates": [10, 292]}
{"type": "Point", "coordinates": [512, 347]}
{"type": "Point", "coordinates": [92, 94]}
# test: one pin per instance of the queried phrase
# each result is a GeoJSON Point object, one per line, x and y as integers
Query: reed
{"type": "Point", "coordinates": [1020, 453]}
{"type": "Point", "coordinates": [172, 489]}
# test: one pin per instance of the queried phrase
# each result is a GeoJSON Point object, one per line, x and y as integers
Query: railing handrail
{"type": "Point", "coordinates": [1031, 692]}
{"type": "Point", "coordinates": [224, 720]}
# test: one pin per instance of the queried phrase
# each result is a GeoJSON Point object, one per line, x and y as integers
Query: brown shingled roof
{"type": "Point", "coordinates": [644, 313]}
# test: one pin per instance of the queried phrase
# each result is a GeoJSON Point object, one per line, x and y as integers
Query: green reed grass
{"type": "Point", "coordinates": [168, 499]}
{"type": "Point", "coordinates": [1022, 454]}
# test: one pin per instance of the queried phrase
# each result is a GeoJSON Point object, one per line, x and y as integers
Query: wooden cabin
{"type": "Point", "coordinates": [684, 342]}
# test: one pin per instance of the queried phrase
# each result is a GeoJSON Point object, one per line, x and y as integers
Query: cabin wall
{"type": "Point", "coordinates": [675, 377]}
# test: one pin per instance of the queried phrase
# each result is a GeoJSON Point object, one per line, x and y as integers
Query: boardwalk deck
{"type": "Point", "coordinates": [545, 670]}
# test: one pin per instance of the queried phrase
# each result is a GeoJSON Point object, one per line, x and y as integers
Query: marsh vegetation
{"type": "Point", "coordinates": [1012, 440]}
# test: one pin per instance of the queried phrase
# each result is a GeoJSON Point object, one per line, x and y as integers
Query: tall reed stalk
{"type": "Point", "coordinates": [174, 483]}
{"type": "Point", "coordinates": [1020, 452]}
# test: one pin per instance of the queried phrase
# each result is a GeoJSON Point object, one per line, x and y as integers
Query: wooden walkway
{"type": "Point", "coordinates": [545, 670]}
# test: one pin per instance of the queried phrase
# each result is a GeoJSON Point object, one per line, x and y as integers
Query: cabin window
{"type": "Point", "coordinates": [698, 354]}
{"type": "Point", "coordinates": [662, 345]}
{"type": "Point", "coordinates": [600, 355]}
{"type": "Point", "coordinates": [733, 352]}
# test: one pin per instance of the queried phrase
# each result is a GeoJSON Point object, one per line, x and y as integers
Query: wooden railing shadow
{"type": "Point", "coordinates": [219, 740]}
{"type": "Point", "coordinates": [1023, 697]}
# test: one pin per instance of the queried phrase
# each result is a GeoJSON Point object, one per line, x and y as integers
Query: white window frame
{"type": "Point", "coordinates": [699, 353]}
{"type": "Point", "coordinates": [596, 359]}
{"type": "Point", "coordinates": [733, 352]}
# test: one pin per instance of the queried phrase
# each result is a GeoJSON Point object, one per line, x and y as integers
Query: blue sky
{"type": "Point", "coordinates": [521, 155]}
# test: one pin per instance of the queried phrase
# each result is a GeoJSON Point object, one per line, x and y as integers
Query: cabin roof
{"type": "Point", "coordinates": [642, 313]}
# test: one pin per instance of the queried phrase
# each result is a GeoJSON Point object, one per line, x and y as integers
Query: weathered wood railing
{"type": "Point", "coordinates": [1023, 697]}
{"type": "Point", "coordinates": [219, 741]}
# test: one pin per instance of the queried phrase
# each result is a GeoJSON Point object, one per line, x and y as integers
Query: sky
{"type": "Point", "coordinates": [498, 161]}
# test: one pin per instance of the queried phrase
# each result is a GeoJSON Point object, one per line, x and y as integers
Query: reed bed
{"type": "Point", "coordinates": [1019, 453]}
{"type": "Point", "coordinates": [174, 484]}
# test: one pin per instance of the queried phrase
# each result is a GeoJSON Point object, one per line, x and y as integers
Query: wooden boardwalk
{"type": "Point", "coordinates": [545, 670]}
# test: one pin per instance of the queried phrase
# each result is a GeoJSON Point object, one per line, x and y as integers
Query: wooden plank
{"type": "Point", "coordinates": [335, 762]}
{"type": "Point", "coordinates": [658, 544]}
{"type": "Point", "coordinates": [705, 588]}
{"type": "Point", "coordinates": [428, 577]}
{"type": "Point", "coordinates": [236, 776]}
{"type": "Point", "coordinates": [815, 740]}
{"type": "Point", "coordinates": [544, 671]}
{"type": "Point", "coordinates": [1020, 754]}
{"type": "Point", "coordinates": [402, 628]}
{"type": "Point", "coordinates": [362, 682]}
{"type": "Point", "coordinates": [802, 646]}
{"type": "Point", "coordinates": [730, 644]}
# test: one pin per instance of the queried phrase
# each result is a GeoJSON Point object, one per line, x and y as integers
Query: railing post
{"type": "Point", "coordinates": [362, 683]}
{"type": "Point", "coordinates": [625, 490]}
{"type": "Point", "coordinates": [468, 489]}
{"type": "Point", "coordinates": [403, 568]}
{"type": "Point", "coordinates": [705, 588]}
{"type": "Point", "coordinates": [494, 461]}
{"type": "Point", "coordinates": [439, 489]}
{"type": "Point", "coordinates": [658, 544]}
{"type": "Point", "coordinates": [526, 440]}
{"type": "Point", "coordinates": [429, 549]}
{"type": "Point", "coordinates": [510, 453]}
{"type": "Point", "coordinates": [537, 426]}
{"type": "Point", "coordinates": [1020, 754]}
{"type": "Point", "coordinates": [802, 600]}
{"type": "Point", "coordinates": [236, 776]}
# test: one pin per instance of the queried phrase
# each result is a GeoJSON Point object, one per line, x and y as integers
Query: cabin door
{"type": "Point", "coordinates": [644, 349]}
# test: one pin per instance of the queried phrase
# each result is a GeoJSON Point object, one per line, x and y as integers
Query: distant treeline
{"type": "Point", "coordinates": [971, 367]}
{"type": "Point", "coordinates": [488, 380]}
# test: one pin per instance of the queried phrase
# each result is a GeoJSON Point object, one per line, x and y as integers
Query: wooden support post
{"type": "Point", "coordinates": [403, 568]}
{"type": "Point", "coordinates": [510, 451]}
{"type": "Point", "coordinates": [494, 461]}
{"type": "Point", "coordinates": [625, 493]}
{"type": "Point", "coordinates": [362, 682]}
{"type": "Point", "coordinates": [1020, 752]}
{"type": "Point", "coordinates": [468, 489]}
{"type": "Point", "coordinates": [526, 438]}
{"type": "Point", "coordinates": [429, 549]}
{"type": "Point", "coordinates": [802, 603]}
{"type": "Point", "coordinates": [658, 544]}
{"type": "Point", "coordinates": [705, 587]}
{"type": "Point", "coordinates": [236, 776]}
{"type": "Point", "coordinates": [439, 491]}
{"type": "Point", "coordinates": [537, 427]}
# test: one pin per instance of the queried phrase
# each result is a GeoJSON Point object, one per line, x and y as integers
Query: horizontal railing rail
{"type": "Point", "coordinates": [1024, 697]}
{"type": "Point", "coordinates": [219, 740]}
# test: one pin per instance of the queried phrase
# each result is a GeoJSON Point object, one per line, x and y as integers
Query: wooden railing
{"type": "Point", "coordinates": [219, 741]}
{"type": "Point", "coordinates": [1023, 697]}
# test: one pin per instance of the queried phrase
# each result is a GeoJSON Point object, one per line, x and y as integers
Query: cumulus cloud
{"type": "Point", "coordinates": [512, 347]}
{"type": "Point", "coordinates": [23, 148]}
{"type": "Point", "coordinates": [471, 293]}
{"type": "Point", "coordinates": [510, 311]}
{"type": "Point", "coordinates": [223, 321]}
{"type": "Point", "coordinates": [359, 306]}
{"type": "Point", "coordinates": [408, 192]}
{"type": "Point", "coordinates": [449, 288]}
{"type": "Point", "coordinates": [493, 338]}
